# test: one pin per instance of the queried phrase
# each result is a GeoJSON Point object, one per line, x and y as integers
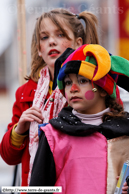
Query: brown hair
{"type": "Point", "coordinates": [37, 62]}
{"type": "Point", "coordinates": [115, 105]}
{"type": "Point", "coordinates": [88, 33]}
{"type": "Point", "coordinates": [116, 108]}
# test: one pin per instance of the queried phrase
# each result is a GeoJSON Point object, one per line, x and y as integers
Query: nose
{"type": "Point", "coordinates": [74, 88]}
{"type": "Point", "coordinates": [52, 41]}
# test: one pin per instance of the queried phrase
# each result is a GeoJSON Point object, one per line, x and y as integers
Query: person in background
{"type": "Point", "coordinates": [83, 149]}
{"type": "Point", "coordinates": [54, 32]}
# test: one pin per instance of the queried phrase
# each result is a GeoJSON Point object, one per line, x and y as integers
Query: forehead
{"type": "Point", "coordinates": [73, 75]}
{"type": "Point", "coordinates": [58, 23]}
{"type": "Point", "coordinates": [47, 24]}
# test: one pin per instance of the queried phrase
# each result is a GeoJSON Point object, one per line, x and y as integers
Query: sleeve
{"type": "Point", "coordinates": [11, 154]}
{"type": "Point", "coordinates": [16, 139]}
{"type": "Point", "coordinates": [17, 109]}
{"type": "Point", "coordinates": [43, 171]}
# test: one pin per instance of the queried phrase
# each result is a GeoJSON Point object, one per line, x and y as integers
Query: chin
{"type": "Point", "coordinates": [79, 110]}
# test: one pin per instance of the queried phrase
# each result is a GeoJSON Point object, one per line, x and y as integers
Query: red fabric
{"type": "Point", "coordinates": [10, 154]}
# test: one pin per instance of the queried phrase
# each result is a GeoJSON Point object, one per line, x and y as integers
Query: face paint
{"type": "Point", "coordinates": [89, 95]}
{"type": "Point", "coordinates": [74, 88]}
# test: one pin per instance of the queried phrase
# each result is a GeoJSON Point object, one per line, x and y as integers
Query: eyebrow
{"type": "Point", "coordinates": [67, 76]}
{"type": "Point", "coordinates": [45, 32]}
{"type": "Point", "coordinates": [80, 76]}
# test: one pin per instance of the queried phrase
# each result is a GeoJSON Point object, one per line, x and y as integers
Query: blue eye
{"type": "Point", "coordinates": [61, 35]}
{"type": "Point", "coordinates": [44, 38]}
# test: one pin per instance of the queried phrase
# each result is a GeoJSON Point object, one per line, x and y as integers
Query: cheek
{"type": "Point", "coordinates": [66, 96]}
{"type": "Point", "coordinates": [42, 48]}
{"type": "Point", "coordinates": [66, 44]}
{"type": "Point", "coordinates": [89, 95]}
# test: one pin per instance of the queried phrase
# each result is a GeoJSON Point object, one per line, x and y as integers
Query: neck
{"type": "Point", "coordinates": [51, 72]}
{"type": "Point", "coordinates": [94, 119]}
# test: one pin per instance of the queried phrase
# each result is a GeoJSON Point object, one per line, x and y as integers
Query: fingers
{"type": "Point", "coordinates": [125, 184]}
{"type": "Point", "coordinates": [32, 114]}
{"type": "Point", "coordinates": [124, 188]}
{"type": "Point", "coordinates": [124, 192]}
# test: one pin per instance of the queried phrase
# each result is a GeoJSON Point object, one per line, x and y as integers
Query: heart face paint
{"type": "Point", "coordinates": [89, 95]}
{"type": "Point", "coordinates": [74, 88]}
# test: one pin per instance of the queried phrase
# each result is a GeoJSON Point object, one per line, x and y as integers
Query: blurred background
{"type": "Point", "coordinates": [113, 17]}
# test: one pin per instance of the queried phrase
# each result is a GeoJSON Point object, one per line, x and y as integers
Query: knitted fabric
{"type": "Point", "coordinates": [50, 109]}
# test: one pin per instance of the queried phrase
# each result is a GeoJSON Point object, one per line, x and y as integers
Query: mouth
{"type": "Point", "coordinates": [53, 52]}
{"type": "Point", "coordinates": [75, 98]}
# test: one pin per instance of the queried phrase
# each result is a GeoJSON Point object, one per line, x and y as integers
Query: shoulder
{"type": "Point", "coordinates": [29, 84]}
{"type": "Point", "coordinates": [27, 89]}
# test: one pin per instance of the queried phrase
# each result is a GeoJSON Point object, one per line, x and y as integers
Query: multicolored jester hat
{"type": "Point", "coordinates": [95, 63]}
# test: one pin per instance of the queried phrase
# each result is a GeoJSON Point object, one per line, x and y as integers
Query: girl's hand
{"type": "Point", "coordinates": [30, 115]}
{"type": "Point", "coordinates": [124, 188]}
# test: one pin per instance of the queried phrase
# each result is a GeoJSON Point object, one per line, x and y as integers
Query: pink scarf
{"type": "Point", "coordinates": [49, 110]}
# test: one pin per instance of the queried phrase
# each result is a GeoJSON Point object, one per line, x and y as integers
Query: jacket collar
{"type": "Point", "coordinates": [72, 125]}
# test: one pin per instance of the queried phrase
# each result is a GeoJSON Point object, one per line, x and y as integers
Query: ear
{"type": "Point", "coordinates": [103, 93]}
{"type": "Point", "coordinates": [78, 42]}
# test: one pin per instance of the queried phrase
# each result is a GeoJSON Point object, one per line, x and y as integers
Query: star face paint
{"type": "Point", "coordinates": [89, 95]}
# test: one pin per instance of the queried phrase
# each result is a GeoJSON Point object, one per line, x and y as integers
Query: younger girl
{"type": "Point", "coordinates": [83, 149]}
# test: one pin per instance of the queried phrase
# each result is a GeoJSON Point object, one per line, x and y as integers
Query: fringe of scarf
{"type": "Point", "coordinates": [49, 110]}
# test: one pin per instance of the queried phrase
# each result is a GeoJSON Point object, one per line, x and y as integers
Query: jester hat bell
{"type": "Point", "coordinates": [95, 63]}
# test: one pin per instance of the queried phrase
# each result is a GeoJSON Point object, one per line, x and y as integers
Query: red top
{"type": "Point", "coordinates": [11, 154]}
